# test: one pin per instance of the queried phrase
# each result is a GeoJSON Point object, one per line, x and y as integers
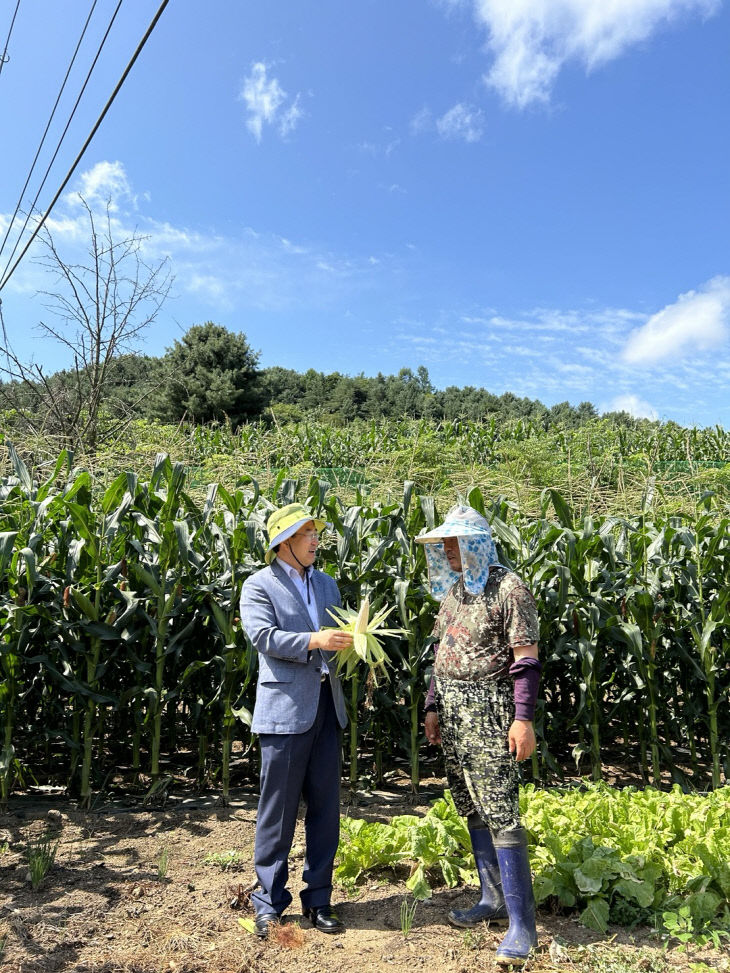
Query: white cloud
{"type": "Point", "coordinates": [531, 40]}
{"type": "Point", "coordinates": [573, 368]}
{"type": "Point", "coordinates": [106, 181]}
{"type": "Point", "coordinates": [293, 247]}
{"type": "Point", "coordinates": [104, 184]}
{"type": "Point", "coordinates": [266, 103]}
{"type": "Point", "coordinates": [461, 122]}
{"type": "Point", "coordinates": [539, 320]}
{"type": "Point", "coordinates": [555, 354]}
{"type": "Point", "coordinates": [290, 117]}
{"type": "Point", "coordinates": [698, 320]}
{"type": "Point", "coordinates": [242, 269]}
{"type": "Point", "coordinates": [421, 122]}
{"type": "Point", "coordinates": [638, 408]}
{"type": "Point", "coordinates": [386, 148]}
{"type": "Point", "coordinates": [208, 287]}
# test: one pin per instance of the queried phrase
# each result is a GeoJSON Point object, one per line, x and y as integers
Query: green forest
{"type": "Point", "coordinates": [212, 374]}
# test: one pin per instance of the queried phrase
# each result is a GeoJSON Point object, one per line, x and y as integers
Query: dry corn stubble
{"type": "Point", "coordinates": [289, 935]}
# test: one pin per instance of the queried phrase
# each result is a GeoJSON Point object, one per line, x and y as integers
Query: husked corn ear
{"type": "Point", "coordinates": [365, 645]}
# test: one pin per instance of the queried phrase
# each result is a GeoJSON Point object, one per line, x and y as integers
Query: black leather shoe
{"type": "Point", "coordinates": [263, 921]}
{"type": "Point", "coordinates": [323, 918]}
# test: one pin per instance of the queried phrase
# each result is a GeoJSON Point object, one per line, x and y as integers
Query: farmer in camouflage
{"type": "Point", "coordinates": [480, 708]}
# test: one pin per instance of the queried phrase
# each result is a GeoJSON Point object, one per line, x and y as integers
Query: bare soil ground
{"type": "Point", "coordinates": [108, 904]}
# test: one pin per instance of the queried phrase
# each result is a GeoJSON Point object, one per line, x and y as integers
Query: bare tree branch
{"type": "Point", "coordinates": [100, 309]}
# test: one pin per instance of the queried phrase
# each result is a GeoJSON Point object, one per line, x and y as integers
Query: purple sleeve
{"type": "Point", "coordinates": [526, 675]}
{"type": "Point", "coordinates": [430, 702]}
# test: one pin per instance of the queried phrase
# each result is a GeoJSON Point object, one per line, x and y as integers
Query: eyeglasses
{"type": "Point", "coordinates": [308, 534]}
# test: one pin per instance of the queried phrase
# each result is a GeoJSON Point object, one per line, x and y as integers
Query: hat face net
{"type": "Point", "coordinates": [476, 547]}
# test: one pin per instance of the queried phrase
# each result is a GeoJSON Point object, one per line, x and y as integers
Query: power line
{"type": "Point", "coordinates": [43, 138]}
{"type": "Point", "coordinates": [4, 59]}
{"type": "Point", "coordinates": [31, 208]}
{"type": "Point", "coordinates": [39, 226]}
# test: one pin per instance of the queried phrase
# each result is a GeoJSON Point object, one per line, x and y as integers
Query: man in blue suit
{"type": "Point", "coordinates": [299, 715]}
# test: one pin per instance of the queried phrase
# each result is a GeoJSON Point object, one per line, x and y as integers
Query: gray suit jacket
{"type": "Point", "coordinates": [275, 618]}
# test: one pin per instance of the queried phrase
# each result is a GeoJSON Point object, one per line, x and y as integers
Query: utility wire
{"type": "Point", "coordinates": [8, 274]}
{"type": "Point", "coordinates": [31, 208]}
{"type": "Point", "coordinates": [43, 138]}
{"type": "Point", "coordinates": [4, 58]}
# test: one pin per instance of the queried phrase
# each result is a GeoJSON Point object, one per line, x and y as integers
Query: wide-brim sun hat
{"type": "Point", "coordinates": [460, 521]}
{"type": "Point", "coordinates": [285, 522]}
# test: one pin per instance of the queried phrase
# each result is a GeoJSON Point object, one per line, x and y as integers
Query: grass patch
{"type": "Point", "coordinates": [41, 854]}
{"type": "Point", "coordinates": [225, 860]}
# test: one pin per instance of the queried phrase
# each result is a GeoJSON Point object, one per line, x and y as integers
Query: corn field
{"type": "Point", "coordinates": [122, 661]}
{"type": "Point", "coordinates": [600, 467]}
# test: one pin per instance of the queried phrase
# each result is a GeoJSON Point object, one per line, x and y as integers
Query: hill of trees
{"type": "Point", "coordinates": [209, 406]}
{"type": "Point", "coordinates": [212, 373]}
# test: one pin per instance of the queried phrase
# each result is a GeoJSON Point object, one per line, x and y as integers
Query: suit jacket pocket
{"type": "Point", "coordinates": [277, 670]}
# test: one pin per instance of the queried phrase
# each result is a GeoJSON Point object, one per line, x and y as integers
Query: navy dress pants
{"type": "Point", "coordinates": [293, 766]}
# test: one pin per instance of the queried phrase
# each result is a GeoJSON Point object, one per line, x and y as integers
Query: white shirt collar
{"type": "Point", "coordinates": [292, 571]}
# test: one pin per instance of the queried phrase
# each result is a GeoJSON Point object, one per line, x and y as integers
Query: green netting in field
{"type": "Point", "coordinates": [342, 476]}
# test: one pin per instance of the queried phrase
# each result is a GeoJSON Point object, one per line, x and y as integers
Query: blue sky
{"type": "Point", "coordinates": [528, 195]}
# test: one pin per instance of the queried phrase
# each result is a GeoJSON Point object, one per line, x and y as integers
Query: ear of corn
{"type": "Point", "coordinates": [365, 646]}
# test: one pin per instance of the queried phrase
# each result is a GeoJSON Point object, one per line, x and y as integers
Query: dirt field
{"type": "Point", "coordinates": [109, 904]}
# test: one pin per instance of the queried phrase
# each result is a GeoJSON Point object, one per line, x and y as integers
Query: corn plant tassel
{"type": "Point", "coordinates": [365, 646]}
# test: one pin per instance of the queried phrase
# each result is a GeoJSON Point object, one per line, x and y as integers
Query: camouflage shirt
{"type": "Point", "coordinates": [476, 633]}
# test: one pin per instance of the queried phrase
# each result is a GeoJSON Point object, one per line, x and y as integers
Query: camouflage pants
{"type": "Point", "coordinates": [474, 718]}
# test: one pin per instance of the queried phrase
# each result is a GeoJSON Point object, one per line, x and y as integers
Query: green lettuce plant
{"type": "Point", "coordinates": [613, 856]}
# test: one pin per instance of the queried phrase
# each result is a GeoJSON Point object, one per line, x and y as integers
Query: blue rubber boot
{"type": "Point", "coordinates": [490, 907]}
{"type": "Point", "coordinates": [514, 868]}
